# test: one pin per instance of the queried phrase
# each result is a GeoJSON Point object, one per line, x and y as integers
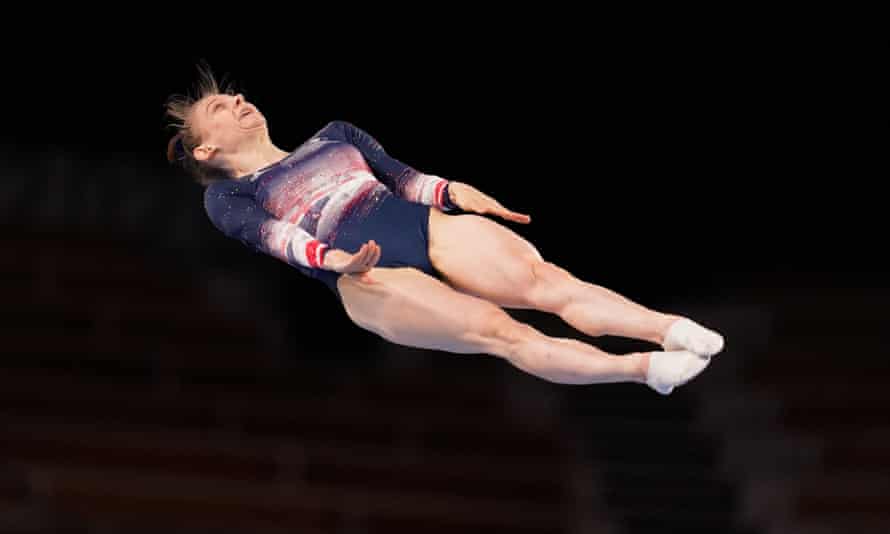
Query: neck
{"type": "Point", "coordinates": [255, 158]}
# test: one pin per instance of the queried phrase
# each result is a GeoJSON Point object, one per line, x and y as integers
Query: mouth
{"type": "Point", "coordinates": [247, 111]}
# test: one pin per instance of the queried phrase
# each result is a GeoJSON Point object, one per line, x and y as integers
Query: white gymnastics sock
{"type": "Point", "coordinates": [675, 368]}
{"type": "Point", "coordinates": [685, 334]}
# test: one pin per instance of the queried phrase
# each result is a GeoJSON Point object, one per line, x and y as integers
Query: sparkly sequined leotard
{"type": "Point", "coordinates": [336, 190]}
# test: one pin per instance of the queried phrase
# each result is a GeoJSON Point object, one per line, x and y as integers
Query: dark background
{"type": "Point", "coordinates": [664, 159]}
{"type": "Point", "coordinates": [726, 167]}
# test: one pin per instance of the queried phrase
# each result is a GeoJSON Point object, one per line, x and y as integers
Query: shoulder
{"type": "Point", "coordinates": [228, 188]}
{"type": "Point", "coordinates": [338, 124]}
{"type": "Point", "coordinates": [225, 196]}
{"type": "Point", "coordinates": [216, 192]}
{"type": "Point", "coordinates": [334, 129]}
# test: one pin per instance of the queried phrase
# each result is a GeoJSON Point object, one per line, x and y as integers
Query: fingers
{"type": "Point", "coordinates": [365, 258]}
{"type": "Point", "coordinates": [375, 254]}
{"type": "Point", "coordinates": [360, 258]}
{"type": "Point", "coordinates": [501, 211]}
{"type": "Point", "coordinates": [496, 208]}
{"type": "Point", "coordinates": [516, 217]}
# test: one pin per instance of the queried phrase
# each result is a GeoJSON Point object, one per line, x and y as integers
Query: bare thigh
{"type": "Point", "coordinates": [409, 307]}
{"type": "Point", "coordinates": [480, 257]}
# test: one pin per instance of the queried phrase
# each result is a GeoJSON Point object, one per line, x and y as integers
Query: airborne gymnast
{"type": "Point", "coordinates": [414, 257]}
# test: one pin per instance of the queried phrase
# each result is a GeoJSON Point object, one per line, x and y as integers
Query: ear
{"type": "Point", "coordinates": [203, 152]}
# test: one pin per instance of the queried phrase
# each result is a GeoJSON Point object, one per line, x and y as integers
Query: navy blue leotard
{"type": "Point", "coordinates": [339, 189]}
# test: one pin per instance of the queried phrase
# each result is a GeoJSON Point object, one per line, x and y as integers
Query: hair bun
{"type": "Point", "coordinates": [175, 149]}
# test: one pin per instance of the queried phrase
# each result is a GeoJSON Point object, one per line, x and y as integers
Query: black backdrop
{"type": "Point", "coordinates": [655, 161]}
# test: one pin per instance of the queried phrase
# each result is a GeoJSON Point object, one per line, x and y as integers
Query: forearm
{"type": "Point", "coordinates": [430, 190]}
{"type": "Point", "coordinates": [291, 244]}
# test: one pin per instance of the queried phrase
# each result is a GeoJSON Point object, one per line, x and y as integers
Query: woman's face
{"type": "Point", "coordinates": [225, 123]}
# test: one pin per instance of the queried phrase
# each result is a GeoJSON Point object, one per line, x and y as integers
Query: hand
{"type": "Point", "coordinates": [344, 262]}
{"type": "Point", "coordinates": [468, 198]}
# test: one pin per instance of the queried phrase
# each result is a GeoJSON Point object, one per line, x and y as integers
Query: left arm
{"type": "Point", "coordinates": [414, 185]}
{"type": "Point", "coordinates": [403, 180]}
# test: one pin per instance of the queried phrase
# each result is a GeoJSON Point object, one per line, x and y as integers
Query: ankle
{"type": "Point", "coordinates": [640, 366]}
{"type": "Point", "coordinates": [665, 322]}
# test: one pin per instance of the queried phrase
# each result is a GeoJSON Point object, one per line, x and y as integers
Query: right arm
{"type": "Point", "coordinates": [239, 216]}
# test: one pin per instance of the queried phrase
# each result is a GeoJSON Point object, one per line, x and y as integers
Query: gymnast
{"type": "Point", "coordinates": [413, 257]}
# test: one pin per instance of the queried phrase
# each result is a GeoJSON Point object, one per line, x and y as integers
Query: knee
{"type": "Point", "coordinates": [499, 331]}
{"type": "Point", "coordinates": [549, 287]}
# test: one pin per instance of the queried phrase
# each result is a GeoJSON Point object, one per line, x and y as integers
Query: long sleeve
{"type": "Point", "coordinates": [401, 179]}
{"type": "Point", "coordinates": [235, 212]}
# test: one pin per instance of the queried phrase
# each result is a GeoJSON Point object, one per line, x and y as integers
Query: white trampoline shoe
{"type": "Point", "coordinates": [685, 334]}
{"type": "Point", "coordinates": [674, 368]}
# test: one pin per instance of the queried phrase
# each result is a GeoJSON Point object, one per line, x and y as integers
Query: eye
{"type": "Point", "coordinates": [216, 107]}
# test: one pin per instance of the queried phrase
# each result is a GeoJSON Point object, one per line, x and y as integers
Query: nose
{"type": "Point", "coordinates": [239, 99]}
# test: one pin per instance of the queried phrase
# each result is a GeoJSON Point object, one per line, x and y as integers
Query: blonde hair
{"type": "Point", "coordinates": [181, 145]}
